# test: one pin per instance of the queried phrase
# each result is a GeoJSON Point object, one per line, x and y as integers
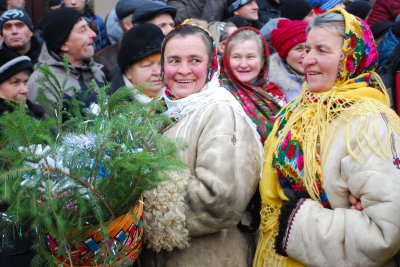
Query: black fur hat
{"type": "Point", "coordinates": [138, 43]}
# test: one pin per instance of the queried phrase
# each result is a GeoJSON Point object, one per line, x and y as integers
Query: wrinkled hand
{"type": "Point", "coordinates": [355, 203]}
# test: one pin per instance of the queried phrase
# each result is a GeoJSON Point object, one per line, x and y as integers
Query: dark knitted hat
{"type": "Point", "coordinates": [288, 34]}
{"type": "Point", "coordinates": [125, 8]}
{"type": "Point", "coordinates": [295, 9]}
{"type": "Point", "coordinates": [57, 25]}
{"type": "Point", "coordinates": [150, 9]}
{"type": "Point", "coordinates": [16, 14]}
{"type": "Point", "coordinates": [12, 63]}
{"type": "Point", "coordinates": [138, 43]}
{"type": "Point", "coordinates": [359, 8]}
{"type": "Point", "coordinates": [235, 4]}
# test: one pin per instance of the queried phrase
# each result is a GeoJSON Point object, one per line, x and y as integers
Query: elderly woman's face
{"type": "Point", "coordinates": [246, 61]}
{"type": "Point", "coordinates": [186, 63]}
{"type": "Point", "coordinates": [321, 64]}
{"type": "Point", "coordinates": [14, 88]}
{"type": "Point", "coordinates": [146, 72]}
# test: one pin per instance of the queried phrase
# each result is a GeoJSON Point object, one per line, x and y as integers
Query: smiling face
{"type": "Point", "coordinates": [17, 36]}
{"type": "Point", "coordinates": [146, 72]}
{"type": "Point", "coordinates": [321, 64]}
{"type": "Point", "coordinates": [248, 11]}
{"type": "Point", "coordinates": [14, 88]}
{"type": "Point", "coordinates": [295, 57]}
{"type": "Point", "coordinates": [246, 60]}
{"type": "Point", "coordinates": [79, 46]}
{"type": "Point", "coordinates": [186, 62]}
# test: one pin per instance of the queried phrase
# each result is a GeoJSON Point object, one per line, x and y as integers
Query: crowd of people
{"type": "Point", "coordinates": [289, 110]}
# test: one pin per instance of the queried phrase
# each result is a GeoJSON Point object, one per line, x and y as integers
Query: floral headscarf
{"type": "Point", "coordinates": [261, 100]}
{"type": "Point", "coordinates": [293, 150]}
{"type": "Point", "coordinates": [213, 70]}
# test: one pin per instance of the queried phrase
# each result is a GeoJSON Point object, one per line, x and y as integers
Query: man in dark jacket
{"type": "Point", "coordinates": [16, 28]}
{"type": "Point", "coordinates": [244, 10]}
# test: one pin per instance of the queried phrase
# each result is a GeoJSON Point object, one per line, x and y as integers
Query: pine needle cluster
{"type": "Point", "coordinates": [79, 169]}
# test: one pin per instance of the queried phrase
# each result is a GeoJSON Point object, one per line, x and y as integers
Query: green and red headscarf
{"type": "Point", "coordinates": [261, 100]}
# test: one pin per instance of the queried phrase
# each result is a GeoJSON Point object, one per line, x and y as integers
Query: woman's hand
{"type": "Point", "coordinates": [355, 203]}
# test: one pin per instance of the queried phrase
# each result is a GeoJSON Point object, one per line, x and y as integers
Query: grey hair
{"type": "Point", "coordinates": [243, 36]}
{"type": "Point", "coordinates": [330, 21]}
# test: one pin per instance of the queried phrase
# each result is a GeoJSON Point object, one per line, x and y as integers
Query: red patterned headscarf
{"type": "Point", "coordinates": [261, 100]}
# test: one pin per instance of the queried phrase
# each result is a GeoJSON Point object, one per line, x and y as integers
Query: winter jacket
{"type": "Point", "coordinates": [390, 74]}
{"type": "Point", "coordinates": [33, 52]}
{"type": "Point", "coordinates": [342, 236]}
{"type": "Point", "coordinates": [384, 10]}
{"type": "Point", "coordinates": [223, 156]}
{"type": "Point", "coordinates": [387, 46]}
{"type": "Point", "coordinates": [289, 83]}
{"type": "Point", "coordinates": [78, 80]}
{"type": "Point", "coordinates": [209, 10]}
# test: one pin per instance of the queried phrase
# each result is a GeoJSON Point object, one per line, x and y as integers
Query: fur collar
{"type": "Point", "coordinates": [279, 75]}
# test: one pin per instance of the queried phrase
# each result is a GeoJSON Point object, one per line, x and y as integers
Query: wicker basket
{"type": "Point", "coordinates": [125, 235]}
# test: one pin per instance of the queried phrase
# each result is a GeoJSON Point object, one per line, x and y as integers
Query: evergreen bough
{"type": "Point", "coordinates": [79, 170]}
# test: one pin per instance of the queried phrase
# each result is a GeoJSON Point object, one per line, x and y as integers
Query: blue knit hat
{"type": "Point", "coordinates": [328, 4]}
{"type": "Point", "coordinates": [16, 14]}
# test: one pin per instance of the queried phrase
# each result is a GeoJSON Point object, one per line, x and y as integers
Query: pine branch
{"type": "Point", "coordinates": [80, 181]}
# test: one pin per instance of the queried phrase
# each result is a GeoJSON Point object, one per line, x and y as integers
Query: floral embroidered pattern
{"type": "Point", "coordinates": [288, 162]}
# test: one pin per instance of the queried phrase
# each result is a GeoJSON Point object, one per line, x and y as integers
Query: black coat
{"type": "Point", "coordinates": [267, 10]}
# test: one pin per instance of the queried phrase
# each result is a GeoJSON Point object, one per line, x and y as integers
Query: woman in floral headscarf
{"type": "Point", "coordinates": [245, 75]}
{"type": "Point", "coordinates": [331, 181]}
{"type": "Point", "coordinates": [192, 220]}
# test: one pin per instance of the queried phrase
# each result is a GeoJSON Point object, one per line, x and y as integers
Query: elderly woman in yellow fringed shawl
{"type": "Point", "coordinates": [331, 181]}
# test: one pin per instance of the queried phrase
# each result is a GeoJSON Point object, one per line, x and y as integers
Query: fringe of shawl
{"type": "Point", "coordinates": [318, 114]}
{"type": "Point", "coordinates": [319, 119]}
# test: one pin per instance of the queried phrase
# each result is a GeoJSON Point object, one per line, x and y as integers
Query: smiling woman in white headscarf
{"type": "Point", "coordinates": [192, 220]}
